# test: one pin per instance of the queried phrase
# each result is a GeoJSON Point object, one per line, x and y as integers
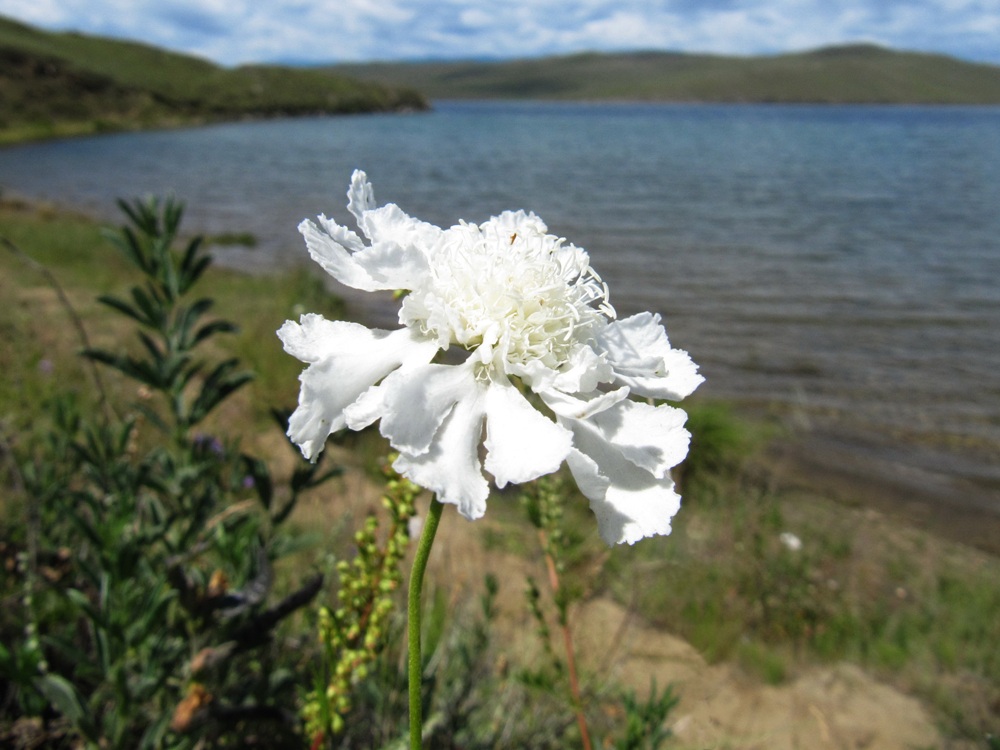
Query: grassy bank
{"type": "Point", "coordinates": [60, 84]}
{"type": "Point", "coordinates": [850, 74]}
{"type": "Point", "coordinates": [774, 579]}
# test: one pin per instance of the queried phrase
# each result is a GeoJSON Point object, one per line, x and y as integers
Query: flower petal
{"type": "Point", "coordinates": [625, 514]}
{"type": "Point", "coordinates": [582, 406]}
{"type": "Point", "coordinates": [330, 249]}
{"type": "Point", "coordinates": [640, 353]}
{"type": "Point", "coordinates": [522, 444]}
{"type": "Point", "coordinates": [345, 359]}
{"type": "Point", "coordinates": [509, 222]}
{"type": "Point", "coordinates": [451, 467]}
{"type": "Point", "coordinates": [651, 437]}
{"type": "Point", "coordinates": [393, 266]}
{"type": "Point", "coordinates": [629, 503]}
{"type": "Point", "coordinates": [387, 223]}
{"type": "Point", "coordinates": [583, 371]}
{"type": "Point", "coordinates": [314, 337]}
{"type": "Point", "coordinates": [418, 399]}
{"type": "Point", "coordinates": [360, 197]}
{"type": "Point", "coordinates": [386, 265]}
{"type": "Point", "coordinates": [390, 223]}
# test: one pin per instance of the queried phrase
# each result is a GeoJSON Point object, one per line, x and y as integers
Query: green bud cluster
{"type": "Point", "coordinates": [543, 499]}
{"type": "Point", "coordinates": [352, 633]}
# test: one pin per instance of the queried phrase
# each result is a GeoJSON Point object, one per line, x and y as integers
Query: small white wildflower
{"type": "Point", "coordinates": [790, 541]}
{"type": "Point", "coordinates": [526, 307]}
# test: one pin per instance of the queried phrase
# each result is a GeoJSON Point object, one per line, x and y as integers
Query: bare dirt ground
{"type": "Point", "coordinates": [721, 707]}
{"type": "Point", "coordinates": [837, 707]}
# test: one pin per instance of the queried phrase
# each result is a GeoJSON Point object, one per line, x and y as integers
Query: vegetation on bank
{"type": "Point", "coordinates": [773, 579]}
{"type": "Point", "coordinates": [56, 84]}
{"type": "Point", "coordinates": [849, 74]}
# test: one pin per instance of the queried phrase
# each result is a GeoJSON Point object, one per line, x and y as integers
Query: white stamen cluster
{"type": "Point", "coordinates": [512, 296]}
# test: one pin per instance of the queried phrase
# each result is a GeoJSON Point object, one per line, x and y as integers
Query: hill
{"type": "Point", "coordinates": [66, 83]}
{"type": "Point", "coordinates": [849, 74]}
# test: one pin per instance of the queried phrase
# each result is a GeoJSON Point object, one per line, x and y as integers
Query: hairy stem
{"type": "Point", "coordinates": [413, 622]}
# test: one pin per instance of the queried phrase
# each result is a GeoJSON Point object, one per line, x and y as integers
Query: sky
{"type": "Point", "coordinates": [231, 32]}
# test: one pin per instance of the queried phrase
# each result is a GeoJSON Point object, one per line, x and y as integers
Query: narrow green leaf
{"type": "Point", "coordinates": [210, 329]}
{"type": "Point", "coordinates": [124, 308]}
{"type": "Point", "coordinates": [63, 696]}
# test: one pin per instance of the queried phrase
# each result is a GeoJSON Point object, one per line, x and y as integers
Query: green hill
{"type": "Point", "coordinates": [65, 83]}
{"type": "Point", "coordinates": [855, 73]}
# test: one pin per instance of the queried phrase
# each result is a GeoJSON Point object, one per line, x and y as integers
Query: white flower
{"type": "Point", "coordinates": [790, 540]}
{"type": "Point", "coordinates": [521, 306]}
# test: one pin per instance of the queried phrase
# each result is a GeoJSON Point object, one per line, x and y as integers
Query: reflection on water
{"type": "Point", "coordinates": [841, 261]}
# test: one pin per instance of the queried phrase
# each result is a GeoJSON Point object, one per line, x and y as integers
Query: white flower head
{"type": "Point", "coordinates": [522, 308]}
{"type": "Point", "coordinates": [790, 540]}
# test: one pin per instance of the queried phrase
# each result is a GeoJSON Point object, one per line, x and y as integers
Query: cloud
{"type": "Point", "coordinates": [195, 19]}
{"type": "Point", "coordinates": [238, 31]}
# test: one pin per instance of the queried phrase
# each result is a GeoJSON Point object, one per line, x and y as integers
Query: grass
{"type": "Point", "coordinates": [73, 249]}
{"type": "Point", "coordinates": [918, 611]}
{"type": "Point", "coordinates": [59, 84]}
{"type": "Point", "coordinates": [855, 73]}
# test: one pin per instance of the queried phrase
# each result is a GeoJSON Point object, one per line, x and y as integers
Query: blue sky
{"type": "Point", "coordinates": [237, 31]}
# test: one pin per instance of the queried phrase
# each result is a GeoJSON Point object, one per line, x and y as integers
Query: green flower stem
{"type": "Point", "coordinates": [413, 620]}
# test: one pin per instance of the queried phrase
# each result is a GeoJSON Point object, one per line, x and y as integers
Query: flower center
{"type": "Point", "coordinates": [511, 293]}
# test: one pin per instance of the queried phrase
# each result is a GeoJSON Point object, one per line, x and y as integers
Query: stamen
{"type": "Point", "coordinates": [517, 296]}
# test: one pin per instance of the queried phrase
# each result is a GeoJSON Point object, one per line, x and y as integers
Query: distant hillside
{"type": "Point", "coordinates": [66, 83]}
{"type": "Point", "coordinates": [850, 74]}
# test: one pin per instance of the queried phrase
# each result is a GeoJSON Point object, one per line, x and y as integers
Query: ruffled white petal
{"type": "Point", "coordinates": [341, 235]}
{"type": "Point", "coordinates": [634, 506]}
{"type": "Point", "coordinates": [391, 224]}
{"type": "Point", "coordinates": [416, 400]}
{"type": "Point", "coordinates": [397, 256]}
{"type": "Point", "coordinates": [583, 371]}
{"type": "Point", "coordinates": [387, 223]}
{"type": "Point", "coordinates": [381, 267]}
{"type": "Point", "coordinates": [582, 406]}
{"type": "Point", "coordinates": [451, 467]}
{"type": "Point", "coordinates": [393, 266]}
{"type": "Point", "coordinates": [640, 353]}
{"type": "Point", "coordinates": [314, 337]}
{"type": "Point", "coordinates": [331, 251]}
{"type": "Point", "coordinates": [360, 197]}
{"type": "Point", "coordinates": [621, 460]}
{"type": "Point", "coordinates": [345, 359]}
{"type": "Point", "coordinates": [629, 503]}
{"type": "Point", "coordinates": [514, 221]}
{"type": "Point", "coordinates": [651, 437]}
{"type": "Point", "coordinates": [521, 443]}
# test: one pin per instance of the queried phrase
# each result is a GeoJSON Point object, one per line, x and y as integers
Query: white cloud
{"type": "Point", "coordinates": [38, 12]}
{"type": "Point", "coordinates": [237, 31]}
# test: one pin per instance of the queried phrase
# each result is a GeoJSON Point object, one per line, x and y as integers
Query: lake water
{"type": "Point", "coordinates": [842, 263]}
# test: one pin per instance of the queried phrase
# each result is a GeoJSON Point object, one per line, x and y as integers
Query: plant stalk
{"type": "Point", "coordinates": [574, 681]}
{"type": "Point", "coordinates": [415, 664]}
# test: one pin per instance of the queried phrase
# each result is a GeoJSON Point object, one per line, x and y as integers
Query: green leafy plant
{"type": "Point", "coordinates": [645, 721]}
{"type": "Point", "coordinates": [354, 632]}
{"type": "Point", "coordinates": [154, 630]}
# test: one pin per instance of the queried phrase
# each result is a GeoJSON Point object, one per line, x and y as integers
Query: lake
{"type": "Point", "coordinates": [837, 263]}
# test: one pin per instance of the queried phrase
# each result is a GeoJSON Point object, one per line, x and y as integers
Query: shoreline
{"type": "Point", "coordinates": [857, 473]}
